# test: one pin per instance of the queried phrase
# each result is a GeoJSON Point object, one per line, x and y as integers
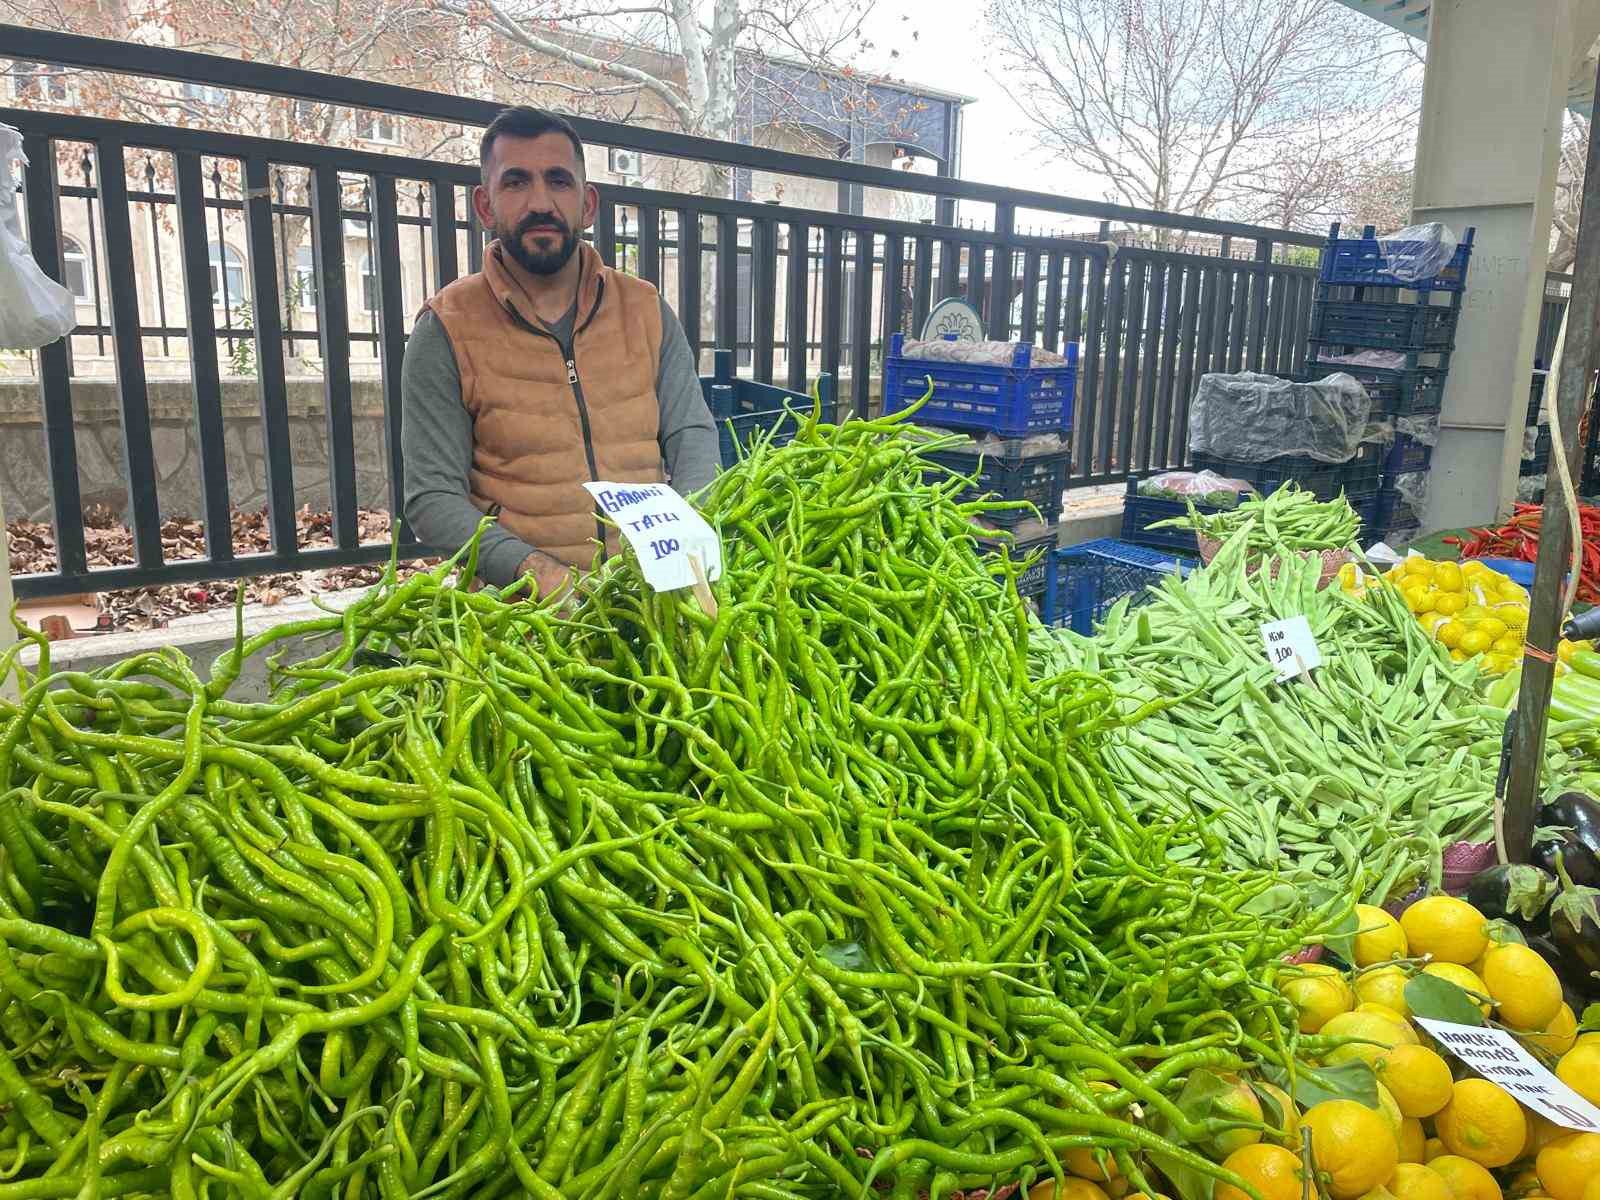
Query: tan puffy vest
{"type": "Point", "coordinates": [543, 426]}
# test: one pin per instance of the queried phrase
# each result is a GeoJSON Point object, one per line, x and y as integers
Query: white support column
{"type": "Point", "coordinates": [1492, 106]}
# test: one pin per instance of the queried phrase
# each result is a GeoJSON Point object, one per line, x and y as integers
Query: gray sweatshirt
{"type": "Point", "coordinates": [436, 440]}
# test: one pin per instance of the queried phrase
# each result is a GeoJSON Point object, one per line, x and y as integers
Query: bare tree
{"type": "Point", "coordinates": [1202, 107]}
{"type": "Point", "coordinates": [1569, 192]}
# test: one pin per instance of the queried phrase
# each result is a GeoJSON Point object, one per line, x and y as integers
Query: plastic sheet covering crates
{"type": "Point", "coordinates": [1009, 401]}
{"type": "Point", "coordinates": [744, 408]}
{"type": "Point", "coordinates": [1010, 473]}
{"type": "Point", "coordinates": [1325, 480]}
{"type": "Point", "coordinates": [1412, 391]}
{"type": "Point", "coordinates": [1084, 581]}
{"type": "Point", "coordinates": [1034, 537]}
{"type": "Point", "coordinates": [1539, 464]}
{"type": "Point", "coordinates": [1379, 326]}
{"type": "Point", "coordinates": [1536, 396]}
{"type": "Point", "coordinates": [1362, 262]}
{"type": "Point", "coordinates": [1140, 512]}
{"type": "Point", "coordinates": [1395, 508]}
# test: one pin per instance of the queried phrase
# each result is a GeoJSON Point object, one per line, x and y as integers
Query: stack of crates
{"type": "Point", "coordinates": [1538, 463]}
{"type": "Point", "coordinates": [1009, 410]}
{"type": "Point", "coordinates": [1085, 580]}
{"type": "Point", "coordinates": [1360, 305]}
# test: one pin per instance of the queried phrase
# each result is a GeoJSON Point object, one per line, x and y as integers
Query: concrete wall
{"type": "Point", "coordinates": [24, 470]}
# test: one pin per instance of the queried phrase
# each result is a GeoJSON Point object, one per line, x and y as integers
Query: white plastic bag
{"type": "Point", "coordinates": [35, 310]}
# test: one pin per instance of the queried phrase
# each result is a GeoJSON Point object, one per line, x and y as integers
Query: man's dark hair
{"type": "Point", "coordinates": [524, 121]}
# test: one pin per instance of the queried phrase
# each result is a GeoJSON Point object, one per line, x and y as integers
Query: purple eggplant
{"type": "Point", "coordinates": [1575, 930]}
{"type": "Point", "coordinates": [1569, 826]}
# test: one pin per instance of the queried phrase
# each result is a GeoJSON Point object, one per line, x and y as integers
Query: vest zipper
{"type": "Point", "coordinates": [569, 355]}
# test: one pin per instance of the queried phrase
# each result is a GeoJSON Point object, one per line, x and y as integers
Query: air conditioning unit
{"type": "Point", "coordinates": [624, 163]}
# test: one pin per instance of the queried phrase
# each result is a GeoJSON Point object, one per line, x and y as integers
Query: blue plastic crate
{"type": "Point", "coordinates": [1400, 392]}
{"type": "Point", "coordinates": [1407, 454]}
{"type": "Point", "coordinates": [1012, 401]}
{"type": "Point", "coordinates": [1040, 479]}
{"type": "Point", "coordinates": [1140, 512]}
{"type": "Point", "coordinates": [1030, 583]}
{"type": "Point", "coordinates": [1361, 261]}
{"type": "Point", "coordinates": [1084, 581]}
{"type": "Point", "coordinates": [738, 422]}
{"type": "Point", "coordinates": [1394, 510]}
{"type": "Point", "coordinates": [1420, 327]}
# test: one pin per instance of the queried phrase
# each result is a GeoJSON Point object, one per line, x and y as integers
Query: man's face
{"type": "Point", "coordinates": [536, 201]}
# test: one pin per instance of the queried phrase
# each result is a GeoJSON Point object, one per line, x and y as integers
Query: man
{"type": "Point", "coordinates": [543, 371]}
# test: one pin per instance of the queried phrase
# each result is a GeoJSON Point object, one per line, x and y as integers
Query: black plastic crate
{"type": "Point", "coordinates": [1324, 480]}
{"type": "Point", "coordinates": [1039, 479]}
{"type": "Point", "coordinates": [1024, 541]}
{"type": "Point", "coordinates": [738, 423]}
{"type": "Point", "coordinates": [1413, 391]}
{"type": "Point", "coordinates": [1377, 326]}
{"type": "Point", "coordinates": [1407, 454]}
{"type": "Point", "coordinates": [1536, 397]}
{"type": "Point", "coordinates": [1084, 581]}
{"type": "Point", "coordinates": [1361, 261]}
{"type": "Point", "coordinates": [1394, 510]}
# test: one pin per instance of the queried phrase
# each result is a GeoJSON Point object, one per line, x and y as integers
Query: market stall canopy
{"type": "Point", "coordinates": [1411, 17]}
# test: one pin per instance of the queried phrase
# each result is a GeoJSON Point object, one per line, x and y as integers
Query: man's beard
{"type": "Point", "coordinates": [538, 262]}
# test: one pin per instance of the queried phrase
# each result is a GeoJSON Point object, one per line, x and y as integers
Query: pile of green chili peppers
{"type": "Point", "coordinates": [810, 891]}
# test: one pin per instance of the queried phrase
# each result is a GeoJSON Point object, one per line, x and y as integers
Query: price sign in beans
{"type": "Point", "coordinates": [1291, 648]}
{"type": "Point", "coordinates": [670, 538]}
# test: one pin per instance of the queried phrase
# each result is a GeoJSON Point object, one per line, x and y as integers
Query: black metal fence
{"type": "Point", "coordinates": [797, 291]}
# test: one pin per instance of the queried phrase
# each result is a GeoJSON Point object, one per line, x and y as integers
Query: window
{"type": "Point", "coordinates": [378, 127]}
{"type": "Point", "coordinates": [369, 284]}
{"type": "Point", "coordinates": [305, 278]}
{"type": "Point", "coordinates": [75, 269]}
{"type": "Point", "coordinates": [205, 93]}
{"type": "Point", "coordinates": [227, 266]}
{"type": "Point", "coordinates": [40, 81]}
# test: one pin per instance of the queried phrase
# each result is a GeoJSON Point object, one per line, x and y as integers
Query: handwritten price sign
{"type": "Point", "coordinates": [1290, 646]}
{"type": "Point", "coordinates": [1499, 1058]}
{"type": "Point", "coordinates": [670, 538]}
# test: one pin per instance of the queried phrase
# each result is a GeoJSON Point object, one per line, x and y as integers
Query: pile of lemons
{"type": "Point", "coordinates": [1470, 609]}
{"type": "Point", "coordinates": [1435, 1122]}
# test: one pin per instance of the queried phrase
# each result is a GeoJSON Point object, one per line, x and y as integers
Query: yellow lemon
{"type": "Point", "coordinates": [1565, 651]}
{"type": "Point", "coordinates": [1372, 1034]}
{"type": "Point", "coordinates": [1407, 1034]}
{"type": "Point", "coordinates": [1413, 1140]}
{"type": "Point", "coordinates": [1447, 577]}
{"type": "Point", "coordinates": [1464, 979]}
{"type": "Point", "coordinates": [1352, 1146]}
{"type": "Point", "coordinates": [1417, 566]}
{"type": "Point", "coordinates": [1431, 1149]}
{"type": "Point", "coordinates": [1558, 1035]}
{"type": "Point", "coordinates": [1418, 1079]}
{"type": "Point", "coordinates": [1318, 992]}
{"type": "Point", "coordinates": [1567, 1165]}
{"type": "Point", "coordinates": [1413, 1181]}
{"type": "Point", "coordinates": [1272, 1170]}
{"type": "Point", "coordinates": [1069, 1189]}
{"type": "Point", "coordinates": [1510, 643]}
{"type": "Point", "coordinates": [1379, 936]}
{"type": "Point", "coordinates": [1286, 1124]}
{"type": "Point", "coordinates": [1494, 627]}
{"type": "Point", "coordinates": [1445, 929]}
{"type": "Point", "coordinates": [1450, 603]}
{"type": "Point", "coordinates": [1541, 1132]}
{"type": "Point", "coordinates": [1522, 985]}
{"type": "Point", "coordinates": [1579, 1068]}
{"type": "Point", "coordinates": [1466, 1179]}
{"type": "Point", "coordinates": [1474, 641]}
{"type": "Point", "coordinates": [1385, 986]}
{"type": "Point", "coordinates": [1238, 1103]}
{"type": "Point", "coordinates": [1482, 1122]}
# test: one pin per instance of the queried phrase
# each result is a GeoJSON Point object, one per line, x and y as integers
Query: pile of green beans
{"type": "Point", "coordinates": [1355, 777]}
{"type": "Point", "coordinates": [1288, 519]}
{"type": "Point", "coordinates": [813, 892]}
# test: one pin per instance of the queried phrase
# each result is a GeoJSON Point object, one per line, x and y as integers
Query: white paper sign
{"type": "Point", "coordinates": [1290, 647]}
{"type": "Point", "coordinates": [664, 530]}
{"type": "Point", "coordinates": [1500, 1058]}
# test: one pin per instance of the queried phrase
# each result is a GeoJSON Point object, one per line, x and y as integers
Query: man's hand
{"type": "Point", "coordinates": [550, 575]}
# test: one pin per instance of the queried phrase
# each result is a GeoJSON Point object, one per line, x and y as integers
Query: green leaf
{"type": "Point", "coordinates": [848, 956]}
{"type": "Point", "coordinates": [1187, 1183]}
{"type": "Point", "coordinates": [1591, 1017]}
{"type": "Point", "coordinates": [1279, 898]}
{"type": "Point", "coordinates": [1503, 932]}
{"type": "Point", "coordinates": [1312, 1085]}
{"type": "Point", "coordinates": [1440, 1000]}
{"type": "Point", "coordinates": [1341, 939]}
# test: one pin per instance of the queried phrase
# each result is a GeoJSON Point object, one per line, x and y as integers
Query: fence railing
{"type": "Point", "coordinates": [278, 281]}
